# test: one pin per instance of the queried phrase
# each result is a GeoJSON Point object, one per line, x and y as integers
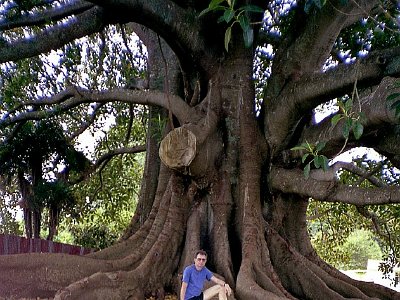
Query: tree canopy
{"type": "Point", "coordinates": [228, 92]}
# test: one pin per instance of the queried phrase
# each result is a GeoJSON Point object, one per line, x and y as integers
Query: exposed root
{"type": "Point", "coordinates": [368, 288]}
{"type": "Point", "coordinates": [292, 210]}
{"type": "Point", "coordinates": [166, 251]}
{"type": "Point", "coordinates": [265, 282]}
{"type": "Point", "coordinates": [221, 203]}
{"type": "Point", "coordinates": [257, 278]}
{"type": "Point", "coordinates": [105, 286]}
{"type": "Point", "coordinates": [247, 288]}
{"type": "Point", "coordinates": [305, 279]}
{"type": "Point", "coordinates": [340, 286]}
{"type": "Point", "coordinates": [157, 250]}
{"type": "Point", "coordinates": [295, 276]}
{"type": "Point", "coordinates": [192, 241]}
{"type": "Point", "coordinates": [112, 278]}
{"type": "Point", "coordinates": [41, 275]}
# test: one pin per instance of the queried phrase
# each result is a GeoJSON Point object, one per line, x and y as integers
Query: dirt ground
{"type": "Point", "coordinates": [167, 297]}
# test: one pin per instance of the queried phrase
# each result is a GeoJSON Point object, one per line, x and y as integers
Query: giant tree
{"type": "Point", "coordinates": [229, 180]}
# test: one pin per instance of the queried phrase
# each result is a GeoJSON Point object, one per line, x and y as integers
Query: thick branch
{"type": "Point", "coordinates": [293, 181]}
{"type": "Point", "coordinates": [75, 96]}
{"type": "Point", "coordinates": [82, 25]}
{"type": "Point", "coordinates": [313, 90]}
{"type": "Point", "coordinates": [320, 33]}
{"type": "Point", "coordinates": [53, 14]}
{"type": "Point", "coordinates": [300, 97]}
{"type": "Point", "coordinates": [180, 28]}
{"type": "Point", "coordinates": [302, 56]}
{"type": "Point", "coordinates": [378, 115]}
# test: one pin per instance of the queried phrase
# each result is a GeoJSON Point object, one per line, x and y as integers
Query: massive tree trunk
{"type": "Point", "coordinates": [228, 182]}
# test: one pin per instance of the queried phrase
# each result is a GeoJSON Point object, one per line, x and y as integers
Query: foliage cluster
{"type": "Point", "coordinates": [333, 224]}
{"type": "Point", "coordinates": [353, 254]}
{"type": "Point", "coordinates": [105, 60]}
{"type": "Point", "coordinates": [231, 16]}
{"type": "Point", "coordinates": [107, 200]}
{"type": "Point", "coordinates": [8, 213]}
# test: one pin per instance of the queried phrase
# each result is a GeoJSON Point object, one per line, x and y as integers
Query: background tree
{"type": "Point", "coordinates": [35, 77]}
{"type": "Point", "coordinates": [108, 199]}
{"type": "Point", "coordinates": [23, 156]}
{"type": "Point", "coordinates": [354, 253]}
{"type": "Point", "coordinates": [359, 247]}
{"type": "Point", "coordinates": [237, 169]}
{"type": "Point", "coordinates": [332, 225]}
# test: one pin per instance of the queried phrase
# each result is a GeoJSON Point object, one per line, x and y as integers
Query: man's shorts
{"type": "Point", "coordinates": [199, 297]}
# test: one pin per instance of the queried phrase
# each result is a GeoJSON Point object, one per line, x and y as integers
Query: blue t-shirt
{"type": "Point", "coordinates": [195, 280]}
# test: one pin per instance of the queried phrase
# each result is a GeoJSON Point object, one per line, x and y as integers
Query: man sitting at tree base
{"type": "Point", "coordinates": [194, 277]}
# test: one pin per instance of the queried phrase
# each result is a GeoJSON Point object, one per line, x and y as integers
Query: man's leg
{"type": "Point", "coordinates": [215, 290]}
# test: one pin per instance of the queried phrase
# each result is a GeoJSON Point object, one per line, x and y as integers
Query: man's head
{"type": "Point", "coordinates": [200, 259]}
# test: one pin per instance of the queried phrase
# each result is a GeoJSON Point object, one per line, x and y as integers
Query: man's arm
{"type": "Point", "coordinates": [222, 283]}
{"type": "Point", "coordinates": [183, 290]}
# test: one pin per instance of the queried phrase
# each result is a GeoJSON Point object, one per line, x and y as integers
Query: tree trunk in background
{"type": "Point", "coordinates": [24, 203]}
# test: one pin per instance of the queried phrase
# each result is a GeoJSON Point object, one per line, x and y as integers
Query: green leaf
{"type": "Point", "coordinates": [301, 147]}
{"type": "Point", "coordinates": [303, 159]}
{"type": "Point", "coordinates": [215, 3]}
{"type": "Point", "coordinates": [205, 11]}
{"type": "Point", "coordinates": [396, 84]}
{"type": "Point", "coordinates": [252, 8]}
{"type": "Point", "coordinates": [316, 162]}
{"type": "Point", "coordinates": [320, 3]}
{"type": "Point", "coordinates": [358, 129]}
{"type": "Point", "coordinates": [228, 15]}
{"type": "Point", "coordinates": [213, 6]}
{"type": "Point", "coordinates": [307, 171]}
{"type": "Point", "coordinates": [396, 107]}
{"type": "Point", "coordinates": [248, 36]}
{"type": "Point", "coordinates": [221, 19]}
{"type": "Point", "coordinates": [335, 119]}
{"type": "Point", "coordinates": [320, 146]}
{"type": "Point", "coordinates": [347, 127]}
{"type": "Point", "coordinates": [228, 35]}
{"type": "Point", "coordinates": [348, 105]}
{"type": "Point", "coordinates": [325, 161]}
{"type": "Point", "coordinates": [341, 105]}
{"type": "Point", "coordinates": [310, 147]}
{"type": "Point", "coordinates": [244, 22]}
